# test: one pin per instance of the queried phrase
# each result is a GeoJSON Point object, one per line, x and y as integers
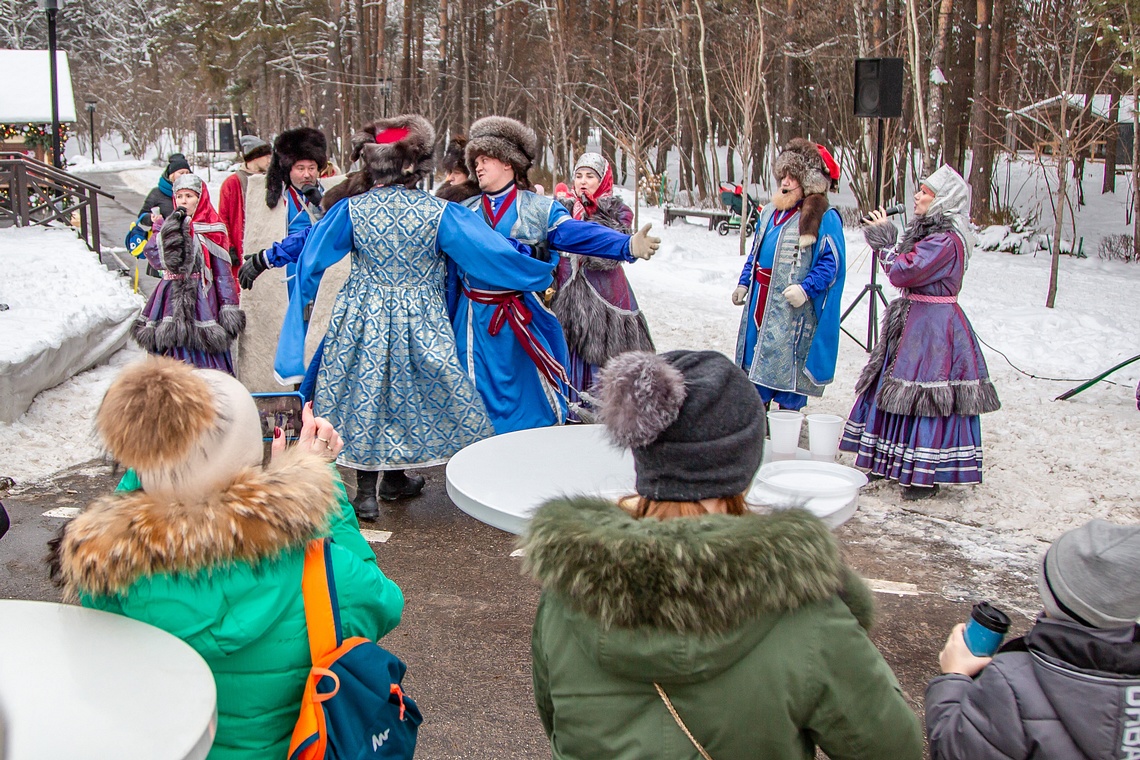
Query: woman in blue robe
{"type": "Point", "coordinates": [390, 378]}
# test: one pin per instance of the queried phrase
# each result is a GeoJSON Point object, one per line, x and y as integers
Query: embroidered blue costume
{"type": "Point", "coordinates": [789, 353]}
{"type": "Point", "coordinates": [520, 374]}
{"type": "Point", "coordinates": [390, 379]}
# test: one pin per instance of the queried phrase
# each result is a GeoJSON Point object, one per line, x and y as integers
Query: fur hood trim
{"type": "Point", "coordinates": [291, 146]}
{"type": "Point", "coordinates": [386, 148]}
{"type": "Point", "coordinates": [703, 576]}
{"type": "Point", "coordinates": [128, 535]}
{"type": "Point", "coordinates": [505, 139]}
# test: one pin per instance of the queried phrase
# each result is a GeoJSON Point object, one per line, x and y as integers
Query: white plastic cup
{"type": "Point", "coordinates": [823, 436]}
{"type": "Point", "coordinates": [784, 430]}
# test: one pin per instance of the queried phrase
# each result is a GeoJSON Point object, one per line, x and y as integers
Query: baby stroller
{"type": "Point", "coordinates": [731, 197]}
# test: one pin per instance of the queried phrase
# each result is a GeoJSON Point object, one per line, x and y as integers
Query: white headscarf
{"type": "Point", "coordinates": [952, 200]}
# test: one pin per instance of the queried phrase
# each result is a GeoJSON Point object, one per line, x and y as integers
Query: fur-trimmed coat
{"type": "Point", "coordinates": [225, 577]}
{"type": "Point", "coordinates": [752, 625]}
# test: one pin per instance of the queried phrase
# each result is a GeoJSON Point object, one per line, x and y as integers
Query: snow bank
{"type": "Point", "coordinates": [1050, 465]}
{"type": "Point", "coordinates": [81, 164]}
{"type": "Point", "coordinates": [66, 313]}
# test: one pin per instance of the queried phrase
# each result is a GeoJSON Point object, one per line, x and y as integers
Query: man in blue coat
{"type": "Point", "coordinates": [792, 282]}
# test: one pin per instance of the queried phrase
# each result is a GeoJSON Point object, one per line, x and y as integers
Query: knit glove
{"type": "Point", "coordinates": [739, 296]}
{"type": "Point", "coordinates": [642, 245]}
{"type": "Point", "coordinates": [254, 265]}
{"type": "Point", "coordinates": [795, 295]}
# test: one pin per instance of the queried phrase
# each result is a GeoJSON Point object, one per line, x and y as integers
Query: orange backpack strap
{"type": "Point", "coordinates": [322, 614]}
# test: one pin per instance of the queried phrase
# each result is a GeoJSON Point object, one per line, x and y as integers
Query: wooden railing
{"type": "Point", "coordinates": [32, 192]}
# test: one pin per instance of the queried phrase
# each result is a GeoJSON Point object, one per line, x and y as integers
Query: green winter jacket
{"type": "Point", "coordinates": [752, 626]}
{"type": "Point", "coordinates": [231, 587]}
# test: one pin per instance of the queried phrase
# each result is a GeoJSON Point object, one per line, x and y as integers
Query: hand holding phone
{"type": "Point", "coordinates": [317, 435]}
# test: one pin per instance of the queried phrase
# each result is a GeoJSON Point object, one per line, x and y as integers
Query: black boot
{"type": "Point", "coordinates": [397, 484]}
{"type": "Point", "coordinates": [918, 493]}
{"type": "Point", "coordinates": [365, 500]}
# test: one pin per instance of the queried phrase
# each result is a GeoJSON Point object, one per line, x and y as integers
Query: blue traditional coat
{"type": "Point", "coordinates": [517, 394]}
{"type": "Point", "coordinates": [390, 379]}
{"type": "Point", "coordinates": [790, 353]}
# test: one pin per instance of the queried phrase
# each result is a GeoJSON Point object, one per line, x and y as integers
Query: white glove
{"type": "Point", "coordinates": [739, 296]}
{"type": "Point", "coordinates": [795, 295]}
{"type": "Point", "coordinates": [641, 245]}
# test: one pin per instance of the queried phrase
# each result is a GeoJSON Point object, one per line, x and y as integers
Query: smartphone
{"type": "Point", "coordinates": [280, 410]}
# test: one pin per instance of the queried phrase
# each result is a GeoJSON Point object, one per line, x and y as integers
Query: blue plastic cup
{"type": "Point", "coordinates": [985, 629]}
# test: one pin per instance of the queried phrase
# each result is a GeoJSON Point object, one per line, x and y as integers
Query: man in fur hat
{"type": "Point", "coordinates": [793, 281]}
{"type": "Point", "coordinates": [281, 204]}
{"type": "Point", "coordinates": [458, 184]}
{"type": "Point", "coordinates": [519, 372]}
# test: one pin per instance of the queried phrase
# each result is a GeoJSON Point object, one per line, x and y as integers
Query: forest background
{"type": "Point", "coordinates": [719, 85]}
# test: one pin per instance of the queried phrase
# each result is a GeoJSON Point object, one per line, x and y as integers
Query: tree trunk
{"type": "Point", "coordinates": [1058, 222]}
{"type": "Point", "coordinates": [981, 163]}
{"type": "Point", "coordinates": [1112, 136]}
{"type": "Point", "coordinates": [932, 151]}
{"type": "Point", "coordinates": [406, 57]}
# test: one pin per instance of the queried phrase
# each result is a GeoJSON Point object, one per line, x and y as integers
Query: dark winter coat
{"type": "Point", "coordinates": [458, 193]}
{"type": "Point", "coordinates": [752, 625]}
{"type": "Point", "coordinates": [1063, 692]}
{"type": "Point", "coordinates": [929, 363]}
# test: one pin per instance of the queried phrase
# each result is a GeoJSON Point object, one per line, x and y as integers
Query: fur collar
{"type": "Point", "coordinates": [705, 575]}
{"type": "Point", "coordinates": [128, 535]}
{"type": "Point", "coordinates": [924, 226]}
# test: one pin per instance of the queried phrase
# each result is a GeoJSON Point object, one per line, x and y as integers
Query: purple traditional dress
{"type": "Point", "coordinates": [594, 301]}
{"type": "Point", "coordinates": [193, 313]}
{"type": "Point", "coordinates": [916, 418]}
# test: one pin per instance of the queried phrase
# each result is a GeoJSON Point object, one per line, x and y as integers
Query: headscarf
{"type": "Point", "coordinates": [952, 200]}
{"type": "Point", "coordinates": [586, 206]}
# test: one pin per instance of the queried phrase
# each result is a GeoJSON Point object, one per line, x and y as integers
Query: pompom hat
{"type": "Point", "coordinates": [693, 420]}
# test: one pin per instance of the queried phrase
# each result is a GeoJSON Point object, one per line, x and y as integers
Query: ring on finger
{"type": "Point", "coordinates": [323, 440]}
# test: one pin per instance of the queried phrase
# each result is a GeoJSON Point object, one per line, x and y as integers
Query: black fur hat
{"type": "Point", "coordinates": [505, 139]}
{"type": "Point", "coordinates": [396, 151]}
{"type": "Point", "coordinates": [454, 158]}
{"type": "Point", "coordinates": [291, 146]}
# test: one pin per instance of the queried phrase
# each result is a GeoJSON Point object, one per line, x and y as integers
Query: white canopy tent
{"type": "Point", "coordinates": [25, 97]}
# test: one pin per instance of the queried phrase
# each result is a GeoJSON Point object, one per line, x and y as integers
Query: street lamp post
{"type": "Point", "coordinates": [90, 103]}
{"type": "Point", "coordinates": [52, 7]}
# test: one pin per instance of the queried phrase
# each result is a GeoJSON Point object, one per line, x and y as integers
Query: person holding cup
{"type": "Point", "coordinates": [1070, 688]}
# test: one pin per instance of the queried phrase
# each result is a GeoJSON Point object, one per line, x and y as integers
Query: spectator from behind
{"type": "Point", "coordinates": [203, 542]}
{"type": "Point", "coordinates": [255, 156]}
{"type": "Point", "coordinates": [680, 623]}
{"type": "Point", "coordinates": [1070, 688]}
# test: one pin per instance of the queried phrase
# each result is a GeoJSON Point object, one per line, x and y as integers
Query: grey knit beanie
{"type": "Point", "coordinates": [693, 420]}
{"type": "Point", "coordinates": [253, 147]}
{"type": "Point", "coordinates": [1091, 575]}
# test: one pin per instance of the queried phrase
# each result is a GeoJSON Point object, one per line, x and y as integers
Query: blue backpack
{"type": "Point", "coordinates": [353, 707]}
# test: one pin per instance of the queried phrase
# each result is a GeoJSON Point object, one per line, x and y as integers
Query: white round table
{"type": "Point", "coordinates": [82, 683]}
{"type": "Point", "coordinates": [501, 480]}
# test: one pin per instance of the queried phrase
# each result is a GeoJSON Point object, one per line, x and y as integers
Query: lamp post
{"type": "Point", "coordinates": [90, 103]}
{"type": "Point", "coordinates": [52, 7]}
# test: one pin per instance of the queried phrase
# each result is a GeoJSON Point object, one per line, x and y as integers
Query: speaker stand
{"type": "Point", "coordinates": [873, 291]}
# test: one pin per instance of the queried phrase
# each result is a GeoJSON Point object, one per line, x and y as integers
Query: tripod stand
{"type": "Point", "coordinates": [873, 291]}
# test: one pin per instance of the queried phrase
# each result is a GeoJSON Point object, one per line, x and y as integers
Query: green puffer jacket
{"type": "Point", "coordinates": [752, 625]}
{"type": "Point", "coordinates": [225, 577]}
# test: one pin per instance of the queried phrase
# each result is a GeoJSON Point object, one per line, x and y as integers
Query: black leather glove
{"type": "Point", "coordinates": [254, 265]}
{"type": "Point", "coordinates": [313, 194]}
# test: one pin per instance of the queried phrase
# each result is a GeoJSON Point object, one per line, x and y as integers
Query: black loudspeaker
{"type": "Point", "coordinates": [878, 87]}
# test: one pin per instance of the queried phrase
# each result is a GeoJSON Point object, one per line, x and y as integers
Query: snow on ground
{"type": "Point", "coordinates": [1049, 465]}
{"type": "Point", "coordinates": [82, 165]}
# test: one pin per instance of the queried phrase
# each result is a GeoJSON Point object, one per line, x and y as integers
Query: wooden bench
{"type": "Point", "coordinates": [683, 213]}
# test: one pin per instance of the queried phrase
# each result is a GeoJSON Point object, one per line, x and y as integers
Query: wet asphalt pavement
{"type": "Point", "coordinates": [465, 634]}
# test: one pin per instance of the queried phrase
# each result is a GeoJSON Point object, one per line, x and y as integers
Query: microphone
{"type": "Point", "coordinates": [898, 208]}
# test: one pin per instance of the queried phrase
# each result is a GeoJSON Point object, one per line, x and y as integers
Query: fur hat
{"type": "Point", "coordinates": [190, 182]}
{"type": "Point", "coordinates": [454, 158]}
{"type": "Point", "coordinates": [694, 421]}
{"type": "Point", "coordinates": [505, 139]}
{"type": "Point", "coordinates": [185, 431]}
{"type": "Point", "coordinates": [252, 147]}
{"type": "Point", "coordinates": [1091, 575]}
{"type": "Point", "coordinates": [291, 146]}
{"type": "Point", "coordinates": [398, 150]}
{"type": "Point", "coordinates": [801, 159]}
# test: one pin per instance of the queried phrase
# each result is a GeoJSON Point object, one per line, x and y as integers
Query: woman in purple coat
{"type": "Point", "coordinates": [916, 418]}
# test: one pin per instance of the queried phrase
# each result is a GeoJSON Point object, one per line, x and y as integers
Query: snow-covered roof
{"type": "Point", "coordinates": [1100, 106]}
{"type": "Point", "coordinates": [25, 95]}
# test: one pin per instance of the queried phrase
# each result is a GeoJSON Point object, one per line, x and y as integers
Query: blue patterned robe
{"type": "Point", "coordinates": [390, 380]}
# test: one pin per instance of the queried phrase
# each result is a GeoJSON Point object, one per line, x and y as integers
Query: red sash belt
{"type": "Point", "coordinates": [930, 299]}
{"type": "Point", "coordinates": [511, 309]}
{"type": "Point", "coordinates": [763, 283]}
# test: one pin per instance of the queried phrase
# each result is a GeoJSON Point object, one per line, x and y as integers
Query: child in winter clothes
{"type": "Point", "coordinates": [685, 624]}
{"type": "Point", "coordinates": [204, 543]}
{"type": "Point", "coordinates": [193, 313]}
{"type": "Point", "coordinates": [1070, 688]}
